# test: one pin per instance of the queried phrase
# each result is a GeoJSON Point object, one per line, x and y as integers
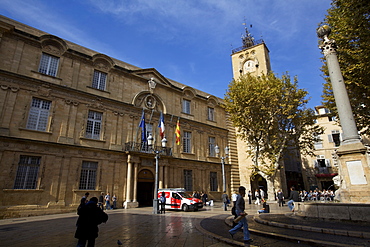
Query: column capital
{"type": "Point", "coordinates": [133, 159]}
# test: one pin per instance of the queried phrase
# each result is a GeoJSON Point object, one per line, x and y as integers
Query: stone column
{"type": "Point", "coordinates": [135, 181]}
{"type": "Point", "coordinates": [161, 176]}
{"type": "Point", "coordinates": [128, 182]}
{"type": "Point", "coordinates": [165, 171]}
{"type": "Point", "coordinates": [354, 173]}
{"type": "Point", "coordinates": [131, 160]}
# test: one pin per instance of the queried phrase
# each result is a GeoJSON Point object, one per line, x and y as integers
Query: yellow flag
{"type": "Point", "coordinates": [177, 132]}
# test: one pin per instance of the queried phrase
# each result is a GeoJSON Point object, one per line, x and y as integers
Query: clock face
{"type": "Point", "coordinates": [249, 66]}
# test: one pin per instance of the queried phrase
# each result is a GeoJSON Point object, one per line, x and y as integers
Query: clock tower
{"type": "Point", "coordinates": [253, 57]}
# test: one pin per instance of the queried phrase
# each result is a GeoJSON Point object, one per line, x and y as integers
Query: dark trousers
{"type": "Point", "coordinates": [82, 242]}
{"type": "Point", "coordinates": [163, 208]}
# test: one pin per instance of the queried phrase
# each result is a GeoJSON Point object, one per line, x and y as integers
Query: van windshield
{"type": "Point", "coordinates": [184, 195]}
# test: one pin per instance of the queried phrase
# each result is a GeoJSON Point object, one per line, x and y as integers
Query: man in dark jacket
{"type": "Point", "coordinates": [90, 216]}
{"type": "Point", "coordinates": [294, 197]}
{"type": "Point", "coordinates": [242, 223]}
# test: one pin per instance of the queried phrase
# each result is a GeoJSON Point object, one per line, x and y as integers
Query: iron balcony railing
{"type": "Point", "coordinates": [250, 44]}
{"type": "Point", "coordinates": [145, 148]}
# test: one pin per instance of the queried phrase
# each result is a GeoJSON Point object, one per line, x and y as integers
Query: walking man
{"type": "Point", "coordinates": [294, 197]}
{"type": "Point", "coordinates": [239, 209]}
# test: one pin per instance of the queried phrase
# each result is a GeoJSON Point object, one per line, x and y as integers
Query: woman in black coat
{"type": "Point", "coordinates": [90, 216]}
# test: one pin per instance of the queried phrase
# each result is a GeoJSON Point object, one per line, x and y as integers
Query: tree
{"type": "Point", "coordinates": [350, 24]}
{"type": "Point", "coordinates": [269, 114]}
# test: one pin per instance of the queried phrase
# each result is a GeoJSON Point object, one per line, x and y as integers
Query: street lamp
{"type": "Point", "coordinates": [217, 151]}
{"type": "Point", "coordinates": [157, 152]}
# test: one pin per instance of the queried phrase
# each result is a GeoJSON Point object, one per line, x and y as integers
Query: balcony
{"type": "Point", "coordinates": [249, 44]}
{"type": "Point", "coordinates": [142, 147]}
{"type": "Point", "coordinates": [323, 172]}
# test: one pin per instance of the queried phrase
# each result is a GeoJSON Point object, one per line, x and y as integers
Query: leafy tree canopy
{"type": "Point", "coordinates": [350, 24]}
{"type": "Point", "coordinates": [270, 113]}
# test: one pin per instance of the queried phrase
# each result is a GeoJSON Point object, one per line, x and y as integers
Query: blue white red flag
{"type": "Point", "coordinates": [142, 126]}
{"type": "Point", "coordinates": [161, 126]}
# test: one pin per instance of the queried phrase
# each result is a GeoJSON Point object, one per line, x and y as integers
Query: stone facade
{"type": "Point", "coordinates": [69, 123]}
{"type": "Point", "coordinates": [253, 57]}
{"type": "Point", "coordinates": [319, 170]}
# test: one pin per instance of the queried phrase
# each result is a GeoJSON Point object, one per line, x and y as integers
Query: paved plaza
{"type": "Point", "coordinates": [133, 227]}
{"type": "Point", "coordinates": [207, 227]}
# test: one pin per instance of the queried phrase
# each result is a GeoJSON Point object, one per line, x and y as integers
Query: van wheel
{"type": "Point", "coordinates": [185, 208]}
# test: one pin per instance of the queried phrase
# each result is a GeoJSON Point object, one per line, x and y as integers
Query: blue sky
{"type": "Point", "coordinates": [189, 41]}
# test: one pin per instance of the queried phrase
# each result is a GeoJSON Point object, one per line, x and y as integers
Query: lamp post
{"type": "Point", "coordinates": [217, 151]}
{"type": "Point", "coordinates": [157, 152]}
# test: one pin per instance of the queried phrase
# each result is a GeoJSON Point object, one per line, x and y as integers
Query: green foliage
{"type": "Point", "coordinates": [270, 114]}
{"type": "Point", "coordinates": [350, 23]}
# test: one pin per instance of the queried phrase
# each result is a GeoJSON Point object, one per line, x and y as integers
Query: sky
{"type": "Point", "coordinates": [189, 41]}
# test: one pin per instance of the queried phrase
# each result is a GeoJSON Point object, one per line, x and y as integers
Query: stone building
{"type": "Point", "coordinates": [70, 122]}
{"type": "Point", "coordinates": [252, 57]}
{"type": "Point", "coordinates": [320, 169]}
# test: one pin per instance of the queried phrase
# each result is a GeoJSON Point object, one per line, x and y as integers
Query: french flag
{"type": "Point", "coordinates": [161, 126]}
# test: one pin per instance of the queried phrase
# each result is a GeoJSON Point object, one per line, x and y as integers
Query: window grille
{"type": "Point", "coordinates": [99, 80]}
{"type": "Point", "coordinates": [188, 180]}
{"type": "Point", "coordinates": [27, 173]}
{"type": "Point", "coordinates": [38, 115]}
{"type": "Point", "coordinates": [94, 123]}
{"type": "Point", "coordinates": [88, 175]}
{"type": "Point", "coordinates": [49, 65]}
{"type": "Point", "coordinates": [187, 142]}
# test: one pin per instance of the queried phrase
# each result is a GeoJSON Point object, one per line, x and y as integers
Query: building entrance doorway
{"type": "Point", "coordinates": [258, 183]}
{"type": "Point", "coordinates": [145, 188]}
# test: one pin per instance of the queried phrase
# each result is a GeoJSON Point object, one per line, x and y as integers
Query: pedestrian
{"type": "Point", "coordinates": [90, 216]}
{"type": "Point", "coordinates": [265, 207]}
{"type": "Point", "coordinates": [249, 197]}
{"type": "Point", "coordinates": [196, 195]}
{"type": "Point", "coordinates": [225, 200]}
{"type": "Point", "coordinates": [293, 197]}
{"type": "Point", "coordinates": [257, 195]}
{"type": "Point", "coordinates": [233, 197]}
{"type": "Point", "coordinates": [280, 198]}
{"type": "Point", "coordinates": [162, 200]}
{"type": "Point", "coordinates": [84, 198]}
{"type": "Point", "coordinates": [239, 208]}
{"type": "Point", "coordinates": [107, 201]}
{"type": "Point", "coordinates": [114, 199]}
{"type": "Point", "coordinates": [101, 201]}
{"type": "Point", "coordinates": [204, 198]}
{"type": "Point", "coordinates": [262, 194]}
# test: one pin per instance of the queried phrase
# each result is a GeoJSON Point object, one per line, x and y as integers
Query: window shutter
{"type": "Point", "coordinates": [316, 164]}
{"type": "Point", "coordinates": [330, 137]}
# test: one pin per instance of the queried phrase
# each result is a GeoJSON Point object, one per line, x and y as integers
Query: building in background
{"type": "Point", "coordinates": [320, 169]}
{"type": "Point", "coordinates": [252, 57]}
{"type": "Point", "coordinates": [73, 120]}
